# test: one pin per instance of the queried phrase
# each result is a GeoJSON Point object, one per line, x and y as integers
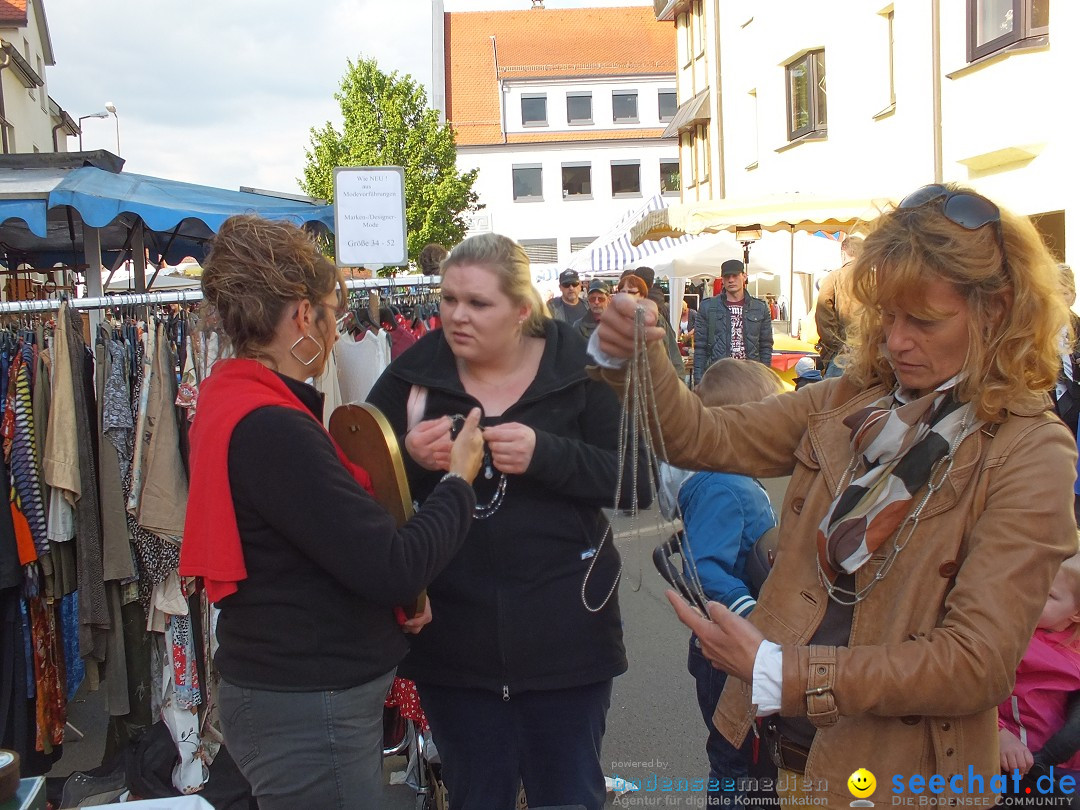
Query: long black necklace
{"type": "Point", "coordinates": [482, 511]}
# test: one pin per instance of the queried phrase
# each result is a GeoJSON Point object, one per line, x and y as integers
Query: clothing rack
{"type": "Point", "coordinates": [183, 296]}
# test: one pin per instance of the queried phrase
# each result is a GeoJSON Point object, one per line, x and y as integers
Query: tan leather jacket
{"type": "Point", "coordinates": [934, 647]}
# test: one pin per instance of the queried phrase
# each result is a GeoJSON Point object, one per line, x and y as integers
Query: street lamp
{"type": "Point", "coordinates": [111, 108]}
{"type": "Point", "coordinates": [83, 118]}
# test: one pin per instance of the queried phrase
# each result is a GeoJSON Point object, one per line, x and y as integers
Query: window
{"type": "Point", "coordinates": [753, 130]}
{"type": "Point", "coordinates": [579, 108]}
{"type": "Point", "coordinates": [624, 106]}
{"type": "Point", "coordinates": [44, 93]}
{"type": "Point", "coordinates": [686, 159]}
{"type": "Point", "coordinates": [667, 103]}
{"type": "Point", "coordinates": [669, 176]}
{"type": "Point", "coordinates": [892, 56]}
{"type": "Point", "coordinates": [581, 242]}
{"type": "Point", "coordinates": [625, 177]}
{"type": "Point", "coordinates": [806, 95]}
{"type": "Point", "coordinates": [541, 251]}
{"type": "Point", "coordinates": [701, 148]}
{"type": "Point", "coordinates": [996, 24]}
{"type": "Point", "coordinates": [576, 180]}
{"type": "Point", "coordinates": [7, 133]}
{"type": "Point", "coordinates": [698, 14]}
{"type": "Point", "coordinates": [528, 182]}
{"type": "Point", "coordinates": [682, 25]}
{"type": "Point", "coordinates": [534, 111]}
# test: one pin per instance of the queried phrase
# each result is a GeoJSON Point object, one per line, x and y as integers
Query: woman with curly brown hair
{"type": "Point", "coordinates": [305, 565]}
{"type": "Point", "coordinates": [928, 510]}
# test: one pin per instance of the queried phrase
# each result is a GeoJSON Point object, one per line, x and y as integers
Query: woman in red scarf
{"type": "Point", "coordinates": [305, 566]}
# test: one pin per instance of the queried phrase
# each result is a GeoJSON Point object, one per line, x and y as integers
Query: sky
{"type": "Point", "coordinates": [226, 93]}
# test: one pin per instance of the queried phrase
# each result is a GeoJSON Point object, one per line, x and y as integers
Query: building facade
{"type": "Point", "coordinates": [563, 112]}
{"type": "Point", "coordinates": [845, 98]}
{"type": "Point", "coordinates": [30, 121]}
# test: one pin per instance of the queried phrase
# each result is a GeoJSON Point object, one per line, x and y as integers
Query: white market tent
{"type": "Point", "coordinates": [614, 251]}
{"type": "Point", "coordinates": [775, 255]}
{"type": "Point", "coordinates": [793, 213]}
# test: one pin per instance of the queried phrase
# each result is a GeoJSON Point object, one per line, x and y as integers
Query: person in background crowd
{"type": "Point", "coordinates": [515, 670]}
{"type": "Point", "coordinates": [1067, 390]}
{"type": "Point", "coordinates": [724, 515]}
{"type": "Point", "coordinates": [304, 563]}
{"type": "Point", "coordinates": [1039, 723]}
{"type": "Point", "coordinates": [733, 324]}
{"type": "Point", "coordinates": [431, 256]}
{"type": "Point", "coordinates": [635, 286]}
{"type": "Point", "coordinates": [569, 308]}
{"type": "Point", "coordinates": [598, 298]}
{"type": "Point", "coordinates": [686, 320]}
{"type": "Point", "coordinates": [806, 372]}
{"type": "Point", "coordinates": [832, 313]}
{"type": "Point", "coordinates": [927, 514]}
{"type": "Point", "coordinates": [648, 275]}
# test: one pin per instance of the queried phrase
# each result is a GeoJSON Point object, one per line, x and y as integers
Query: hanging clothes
{"type": "Point", "coordinates": [360, 363]}
{"type": "Point", "coordinates": [163, 501]}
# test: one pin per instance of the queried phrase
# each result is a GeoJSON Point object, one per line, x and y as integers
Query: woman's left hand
{"type": "Point", "coordinates": [730, 642]}
{"type": "Point", "coordinates": [417, 622]}
{"type": "Point", "coordinates": [512, 446]}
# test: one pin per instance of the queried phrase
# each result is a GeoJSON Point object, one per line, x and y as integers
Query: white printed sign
{"type": "Point", "coordinates": [369, 216]}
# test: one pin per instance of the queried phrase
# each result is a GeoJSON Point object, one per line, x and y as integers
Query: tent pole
{"type": "Point", "coordinates": [92, 259]}
{"type": "Point", "coordinates": [138, 257]}
{"type": "Point", "coordinates": [793, 328]}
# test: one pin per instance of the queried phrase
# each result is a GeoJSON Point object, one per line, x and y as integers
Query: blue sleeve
{"type": "Point", "coordinates": [715, 522]}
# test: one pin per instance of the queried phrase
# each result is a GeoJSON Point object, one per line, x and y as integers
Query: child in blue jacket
{"type": "Point", "coordinates": [724, 515]}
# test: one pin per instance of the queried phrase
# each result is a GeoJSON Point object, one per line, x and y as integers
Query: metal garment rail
{"type": "Point", "coordinates": [182, 296]}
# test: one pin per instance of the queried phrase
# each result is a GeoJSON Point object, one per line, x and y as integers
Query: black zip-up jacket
{"type": "Point", "coordinates": [508, 613]}
{"type": "Point", "coordinates": [325, 563]}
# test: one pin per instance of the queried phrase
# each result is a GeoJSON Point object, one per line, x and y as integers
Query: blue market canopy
{"type": "Point", "coordinates": [43, 211]}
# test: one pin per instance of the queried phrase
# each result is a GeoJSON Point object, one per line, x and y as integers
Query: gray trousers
{"type": "Point", "coordinates": [308, 749]}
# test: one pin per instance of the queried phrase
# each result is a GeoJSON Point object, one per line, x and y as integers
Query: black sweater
{"type": "Point", "coordinates": [325, 563]}
{"type": "Point", "coordinates": [508, 613]}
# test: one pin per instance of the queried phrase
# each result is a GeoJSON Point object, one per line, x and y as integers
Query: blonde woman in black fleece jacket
{"type": "Point", "coordinates": [515, 669]}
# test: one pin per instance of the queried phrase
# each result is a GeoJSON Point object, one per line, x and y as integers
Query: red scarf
{"type": "Point", "coordinates": [211, 547]}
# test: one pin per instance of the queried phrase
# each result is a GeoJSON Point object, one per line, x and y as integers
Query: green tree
{"type": "Point", "coordinates": [387, 122]}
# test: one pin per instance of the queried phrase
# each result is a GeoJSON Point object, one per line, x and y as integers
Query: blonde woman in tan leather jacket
{"type": "Point", "coordinates": [928, 510]}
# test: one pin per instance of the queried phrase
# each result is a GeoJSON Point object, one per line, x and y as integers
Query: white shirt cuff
{"type": "Point", "coordinates": [603, 359]}
{"type": "Point", "coordinates": [768, 678]}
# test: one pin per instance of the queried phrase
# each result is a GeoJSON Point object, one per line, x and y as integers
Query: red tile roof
{"type": "Point", "coordinates": [541, 43]}
{"type": "Point", "coordinates": [12, 11]}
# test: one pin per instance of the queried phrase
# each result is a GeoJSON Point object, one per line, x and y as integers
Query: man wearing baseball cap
{"type": "Point", "coordinates": [569, 308]}
{"type": "Point", "coordinates": [732, 324]}
{"type": "Point", "coordinates": [598, 299]}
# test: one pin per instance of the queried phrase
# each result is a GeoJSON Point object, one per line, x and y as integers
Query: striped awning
{"type": "Point", "coordinates": [614, 252]}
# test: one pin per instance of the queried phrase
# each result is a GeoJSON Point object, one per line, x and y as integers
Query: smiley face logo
{"type": "Point", "coordinates": [862, 783]}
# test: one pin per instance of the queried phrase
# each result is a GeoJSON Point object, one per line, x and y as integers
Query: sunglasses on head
{"type": "Point", "coordinates": [967, 209]}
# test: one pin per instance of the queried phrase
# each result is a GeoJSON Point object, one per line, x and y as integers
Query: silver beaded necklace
{"type": "Point", "coordinates": [639, 408]}
{"type": "Point", "coordinates": [903, 535]}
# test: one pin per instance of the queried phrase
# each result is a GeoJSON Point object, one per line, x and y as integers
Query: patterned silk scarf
{"type": "Point", "coordinates": [899, 442]}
